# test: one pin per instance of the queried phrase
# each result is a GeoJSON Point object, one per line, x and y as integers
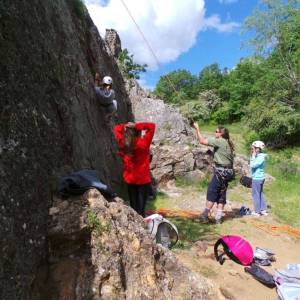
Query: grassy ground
{"type": "Point", "coordinates": [284, 193]}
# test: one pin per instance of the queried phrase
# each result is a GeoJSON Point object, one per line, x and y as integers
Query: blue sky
{"type": "Point", "coordinates": [184, 34]}
{"type": "Point", "coordinates": [224, 48]}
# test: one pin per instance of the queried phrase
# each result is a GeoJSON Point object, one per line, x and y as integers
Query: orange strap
{"type": "Point", "coordinates": [188, 214]}
{"type": "Point", "coordinates": [276, 229]}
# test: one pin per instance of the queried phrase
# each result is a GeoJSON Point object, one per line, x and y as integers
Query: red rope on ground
{"type": "Point", "coordinates": [275, 229]}
{"type": "Point", "coordinates": [188, 214]}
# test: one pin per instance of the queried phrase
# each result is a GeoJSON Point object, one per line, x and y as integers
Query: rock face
{"type": "Point", "coordinates": [113, 42]}
{"type": "Point", "coordinates": [104, 252]}
{"type": "Point", "coordinates": [50, 124]}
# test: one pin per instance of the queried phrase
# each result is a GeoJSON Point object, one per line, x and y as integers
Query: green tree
{"type": "Point", "coordinates": [274, 112]}
{"type": "Point", "coordinates": [128, 67]}
{"type": "Point", "coordinates": [210, 78]}
{"type": "Point", "coordinates": [177, 87]}
{"type": "Point", "coordinates": [276, 32]}
{"type": "Point", "coordinates": [266, 23]}
{"type": "Point", "coordinates": [237, 88]}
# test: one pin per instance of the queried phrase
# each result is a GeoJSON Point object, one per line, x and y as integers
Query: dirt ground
{"type": "Point", "coordinates": [233, 281]}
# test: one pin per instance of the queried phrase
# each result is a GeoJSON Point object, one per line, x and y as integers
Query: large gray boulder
{"type": "Point", "coordinates": [51, 124]}
{"type": "Point", "coordinates": [101, 250]}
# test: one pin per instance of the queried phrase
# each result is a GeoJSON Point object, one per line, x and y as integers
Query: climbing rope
{"type": "Point", "coordinates": [276, 229]}
{"type": "Point", "coordinates": [147, 43]}
{"type": "Point", "coordinates": [171, 213]}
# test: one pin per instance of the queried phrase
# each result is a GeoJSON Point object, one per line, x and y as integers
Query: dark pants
{"type": "Point", "coordinates": [138, 195]}
{"type": "Point", "coordinates": [217, 187]}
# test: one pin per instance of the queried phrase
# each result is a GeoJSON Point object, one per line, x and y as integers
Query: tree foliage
{"type": "Point", "coordinates": [177, 87]}
{"type": "Point", "coordinates": [129, 68]}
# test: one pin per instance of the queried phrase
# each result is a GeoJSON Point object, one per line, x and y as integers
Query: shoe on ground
{"type": "Point", "coordinates": [202, 219]}
{"type": "Point", "coordinates": [264, 213]}
{"type": "Point", "coordinates": [255, 214]}
{"type": "Point", "coordinates": [218, 221]}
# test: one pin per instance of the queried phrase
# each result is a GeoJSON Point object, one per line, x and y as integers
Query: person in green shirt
{"type": "Point", "coordinates": [223, 170]}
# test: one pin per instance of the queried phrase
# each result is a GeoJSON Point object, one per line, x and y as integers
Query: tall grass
{"type": "Point", "coordinates": [283, 194]}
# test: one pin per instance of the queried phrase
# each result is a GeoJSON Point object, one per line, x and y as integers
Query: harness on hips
{"type": "Point", "coordinates": [224, 175]}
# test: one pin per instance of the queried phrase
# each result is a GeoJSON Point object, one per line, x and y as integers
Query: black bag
{"type": "Point", "coordinates": [78, 182]}
{"type": "Point", "coordinates": [261, 275]}
{"type": "Point", "coordinates": [246, 181]}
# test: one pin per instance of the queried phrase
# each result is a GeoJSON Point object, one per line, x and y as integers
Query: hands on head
{"type": "Point", "coordinates": [130, 125]}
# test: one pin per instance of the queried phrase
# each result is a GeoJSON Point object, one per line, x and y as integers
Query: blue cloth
{"type": "Point", "coordinates": [258, 197]}
{"type": "Point", "coordinates": [257, 165]}
{"type": "Point", "coordinates": [79, 182]}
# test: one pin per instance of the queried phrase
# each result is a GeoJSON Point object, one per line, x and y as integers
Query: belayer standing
{"type": "Point", "coordinates": [223, 170]}
{"type": "Point", "coordinates": [135, 152]}
{"type": "Point", "coordinates": [257, 165]}
{"type": "Point", "coordinates": [105, 94]}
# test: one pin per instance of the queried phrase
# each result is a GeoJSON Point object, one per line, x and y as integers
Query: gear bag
{"type": "Point", "coordinates": [236, 248]}
{"type": "Point", "coordinates": [246, 181]}
{"type": "Point", "coordinates": [261, 275]}
{"type": "Point", "coordinates": [162, 230]}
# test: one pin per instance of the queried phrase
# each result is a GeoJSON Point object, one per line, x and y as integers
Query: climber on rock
{"type": "Point", "coordinates": [105, 93]}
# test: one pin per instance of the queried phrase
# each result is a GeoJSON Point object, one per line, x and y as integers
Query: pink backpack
{"type": "Point", "coordinates": [234, 246]}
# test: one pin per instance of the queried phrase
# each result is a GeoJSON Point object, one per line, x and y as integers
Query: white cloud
{"type": "Point", "coordinates": [227, 1]}
{"type": "Point", "coordinates": [214, 21]}
{"type": "Point", "coordinates": [170, 26]}
{"type": "Point", "coordinates": [144, 84]}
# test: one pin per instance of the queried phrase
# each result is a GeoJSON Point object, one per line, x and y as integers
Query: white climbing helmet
{"type": "Point", "coordinates": [259, 144]}
{"type": "Point", "coordinates": [107, 80]}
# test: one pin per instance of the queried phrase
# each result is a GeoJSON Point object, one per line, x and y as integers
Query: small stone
{"type": "Point", "coordinates": [53, 210]}
{"type": "Point", "coordinates": [63, 205]}
{"type": "Point", "coordinates": [24, 226]}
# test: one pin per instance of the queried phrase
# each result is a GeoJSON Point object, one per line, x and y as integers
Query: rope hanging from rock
{"type": "Point", "coordinates": [147, 44]}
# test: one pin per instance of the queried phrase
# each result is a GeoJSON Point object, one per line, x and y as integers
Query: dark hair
{"type": "Point", "coordinates": [129, 138]}
{"type": "Point", "coordinates": [225, 135]}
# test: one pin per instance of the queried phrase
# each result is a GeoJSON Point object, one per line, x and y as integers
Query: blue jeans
{"type": "Point", "coordinates": [258, 197]}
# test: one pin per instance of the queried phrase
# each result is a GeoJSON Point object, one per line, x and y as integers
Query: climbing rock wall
{"type": "Point", "coordinates": [50, 124]}
{"type": "Point", "coordinates": [104, 252]}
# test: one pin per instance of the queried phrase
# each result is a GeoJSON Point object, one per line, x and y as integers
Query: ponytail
{"type": "Point", "coordinates": [225, 135]}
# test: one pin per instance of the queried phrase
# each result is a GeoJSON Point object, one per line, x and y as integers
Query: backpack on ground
{"type": "Point", "coordinates": [261, 275]}
{"type": "Point", "coordinates": [162, 230]}
{"type": "Point", "coordinates": [236, 248]}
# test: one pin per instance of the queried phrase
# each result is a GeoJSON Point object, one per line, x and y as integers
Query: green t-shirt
{"type": "Point", "coordinates": [222, 153]}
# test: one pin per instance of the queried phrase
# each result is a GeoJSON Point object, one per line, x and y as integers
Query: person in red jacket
{"type": "Point", "coordinates": [135, 152]}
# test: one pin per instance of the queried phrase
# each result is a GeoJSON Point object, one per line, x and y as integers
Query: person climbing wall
{"type": "Point", "coordinates": [105, 94]}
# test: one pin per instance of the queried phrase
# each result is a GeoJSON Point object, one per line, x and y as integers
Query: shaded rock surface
{"type": "Point", "coordinates": [110, 255]}
{"type": "Point", "coordinates": [50, 124]}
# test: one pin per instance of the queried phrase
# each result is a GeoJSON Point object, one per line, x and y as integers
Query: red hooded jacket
{"type": "Point", "coordinates": [136, 166]}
